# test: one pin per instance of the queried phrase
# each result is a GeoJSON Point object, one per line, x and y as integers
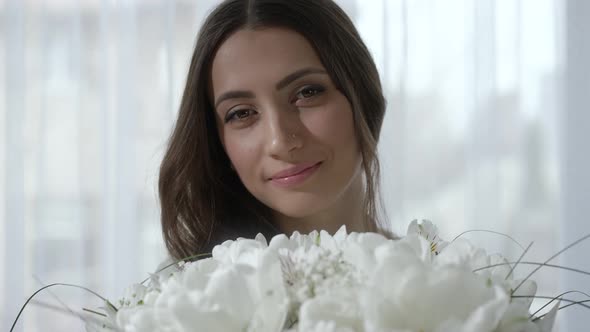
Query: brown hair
{"type": "Point", "coordinates": [203, 201]}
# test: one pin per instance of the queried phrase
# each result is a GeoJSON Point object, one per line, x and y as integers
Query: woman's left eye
{"type": "Point", "coordinates": [309, 91]}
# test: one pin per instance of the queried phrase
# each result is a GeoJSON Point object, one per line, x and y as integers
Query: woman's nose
{"type": "Point", "coordinates": [284, 134]}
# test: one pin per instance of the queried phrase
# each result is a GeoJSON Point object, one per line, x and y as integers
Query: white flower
{"type": "Point", "coordinates": [341, 283]}
{"type": "Point", "coordinates": [411, 294]}
{"type": "Point", "coordinates": [429, 231]}
{"type": "Point", "coordinates": [338, 312]}
{"type": "Point", "coordinates": [134, 295]}
{"type": "Point", "coordinates": [315, 272]}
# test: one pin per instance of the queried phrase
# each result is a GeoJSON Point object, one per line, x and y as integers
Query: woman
{"type": "Point", "coordinates": [277, 129]}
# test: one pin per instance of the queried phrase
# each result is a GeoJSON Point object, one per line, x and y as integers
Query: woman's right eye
{"type": "Point", "coordinates": [239, 115]}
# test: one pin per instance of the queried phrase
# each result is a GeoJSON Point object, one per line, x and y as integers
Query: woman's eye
{"type": "Point", "coordinates": [239, 115]}
{"type": "Point", "coordinates": [309, 91]}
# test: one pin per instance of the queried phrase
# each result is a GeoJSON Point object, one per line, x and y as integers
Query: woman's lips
{"type": "Point", "coordinates": [295, 175]}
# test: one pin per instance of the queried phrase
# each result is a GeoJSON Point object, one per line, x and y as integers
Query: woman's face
{"type": "Point", "coordinates": [287, 130]}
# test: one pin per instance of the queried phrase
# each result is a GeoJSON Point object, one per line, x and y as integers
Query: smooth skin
{"type": "Point", "coordinates": [277, 108]}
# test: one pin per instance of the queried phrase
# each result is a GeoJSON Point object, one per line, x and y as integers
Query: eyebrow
{"type": "Point", "coordinates": [280, 85]}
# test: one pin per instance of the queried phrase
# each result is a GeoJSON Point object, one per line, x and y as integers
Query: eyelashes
{"type": "Point", "coordinates": [302, 98]}
{"type": "Point", "coordinates": [238, 115]}
{"type": "Point", "coordinates": [309, 91]}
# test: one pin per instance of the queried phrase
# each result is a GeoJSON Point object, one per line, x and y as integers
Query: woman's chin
{"type": "Point", "coordinates": [299, 211]}
{"type": "Point", "coordinates": [295, 212]}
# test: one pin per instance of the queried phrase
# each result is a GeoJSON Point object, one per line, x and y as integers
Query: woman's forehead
{"type": "Point", "coordinates": [268, 53]}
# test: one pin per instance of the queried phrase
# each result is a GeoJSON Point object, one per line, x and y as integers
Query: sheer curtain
{"type": "Point", "coordinates": [478, 134]}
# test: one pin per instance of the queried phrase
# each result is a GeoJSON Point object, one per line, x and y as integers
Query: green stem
{"type": "Point", "coordinates": [58, 284]}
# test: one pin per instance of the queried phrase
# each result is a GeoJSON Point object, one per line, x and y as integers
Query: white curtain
{"type": "Point", "coordinates": [486, 128]}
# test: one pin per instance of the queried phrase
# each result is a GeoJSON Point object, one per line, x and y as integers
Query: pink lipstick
{"type": "Point", "coordinates": [295, 175]}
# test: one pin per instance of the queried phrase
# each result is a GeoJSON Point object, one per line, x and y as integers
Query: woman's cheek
{"type": "Point", "coordinates": [242, 154]}
{"type": "Point", "coordinates": [329, 124]}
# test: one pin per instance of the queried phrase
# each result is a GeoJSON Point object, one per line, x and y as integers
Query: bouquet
{"type": "Point", "coordinates": [341, 283]}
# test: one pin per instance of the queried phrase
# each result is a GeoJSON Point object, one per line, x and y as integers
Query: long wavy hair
{"type": "Point", "coordinates": [203, 202]}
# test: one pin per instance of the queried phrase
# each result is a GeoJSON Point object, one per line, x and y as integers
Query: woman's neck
{"type": "Point", "coordinates": [347, 210]}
